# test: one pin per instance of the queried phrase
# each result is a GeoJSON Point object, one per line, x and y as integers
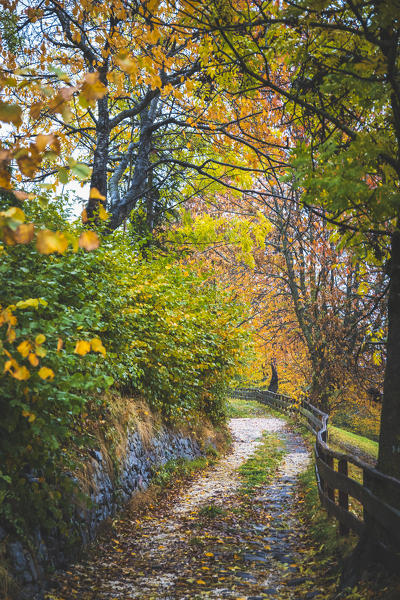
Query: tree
{"type": "Point", "coordinates": [307, 292]}
{"type": "Point", "coordinates": [334, 70]}
{"type": "Point", "coordinates": [150, 116]}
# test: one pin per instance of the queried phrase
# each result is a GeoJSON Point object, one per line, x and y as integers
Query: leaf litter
{"type": "Point", "coordinates": [216, 539]}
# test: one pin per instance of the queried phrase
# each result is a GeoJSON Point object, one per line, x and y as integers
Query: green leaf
{"type": "Point", "coordinates": [81, 171]}
{"type": "Point", "coordinates": [63, 175]}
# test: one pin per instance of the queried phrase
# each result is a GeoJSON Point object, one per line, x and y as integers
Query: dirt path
{"type": "Point", "coordinates": [210, 543]}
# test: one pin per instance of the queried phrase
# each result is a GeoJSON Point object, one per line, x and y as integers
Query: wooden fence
{"type": "Point", "coordinates": [337, 479]}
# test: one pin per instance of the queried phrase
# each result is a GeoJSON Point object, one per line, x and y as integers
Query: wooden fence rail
{"type": "Point", "coordinates": [335, 484]}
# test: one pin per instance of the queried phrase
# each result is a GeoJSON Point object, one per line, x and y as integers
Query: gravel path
{"type": "Point", "coordinates": [222, 480]}
{"type": "Point", "coordinates": [179, 555]}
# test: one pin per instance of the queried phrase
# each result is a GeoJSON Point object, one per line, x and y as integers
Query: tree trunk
{"type": "Point", "coordinates": [274, 383]}
{"type": "Point", "coordinates": [389, 440]}
{"type": "Point", "coordinates": [369, 551]}
{"type": "Point", "coordinates": [100, 158]}
{"type": "Point", "coordinates": [137, 189]}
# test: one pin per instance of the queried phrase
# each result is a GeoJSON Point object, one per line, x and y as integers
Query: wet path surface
{"type": "Point", "coordinates": [211, 542]}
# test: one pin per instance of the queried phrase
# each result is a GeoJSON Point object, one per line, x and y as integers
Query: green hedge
{"type": "Point", "coordinates": [169, 336]}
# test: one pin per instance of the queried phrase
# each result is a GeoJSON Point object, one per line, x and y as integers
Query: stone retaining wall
{"type": "Point", "coordinates": [107, 495]}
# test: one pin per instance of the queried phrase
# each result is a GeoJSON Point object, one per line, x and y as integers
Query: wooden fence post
{"type": "Point", "coordinates": [343, 496]}
{"type": "Point", "coordinates": [366, 483]}
{"type": "Point", "coordinates": [330, 491]}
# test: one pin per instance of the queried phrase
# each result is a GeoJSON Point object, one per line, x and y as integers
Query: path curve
{"type": "Point", "coordinates": [165, 557]}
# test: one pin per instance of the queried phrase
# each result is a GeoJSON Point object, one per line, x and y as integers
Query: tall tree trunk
{"type": "Point", "coordinates": [100, 158]}
{"type": "Point", "coordinates": [136, 192]}
{"type": "Point", "coordinates": [368, 550]}
{"type": "Point", "coordinates": [389, 440]}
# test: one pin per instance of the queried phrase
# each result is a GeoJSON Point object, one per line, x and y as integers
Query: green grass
{"type": "Point", "coordinates": [261, 467]}
{"type": "Point", "coordinates": [324, 550]}
{"type": "Point", "coordinates": [180, 467]}
{"type": "Point", "coordinates": [236, 408]}
{"type": "Point", "coordinates": [353, 441]}
{"type": "Point", "coordinates": [212, 511]}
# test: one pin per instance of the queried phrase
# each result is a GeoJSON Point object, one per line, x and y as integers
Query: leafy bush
{"type": "Point", "coordinates": [70, 326]}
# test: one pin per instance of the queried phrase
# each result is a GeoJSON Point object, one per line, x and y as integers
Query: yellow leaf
{"type": "Point", "coordinates": [20, 373]}
{"type": "Point", "coordinates": [82, 347]}
{"type": "Point", "coordinates": [201, 582]}
{"type": "Point", "coordinates": [48, 242]}
{"type": "Point", "coordinates": [97, 346]}
{"type": "Point", "coordinates": [127, 64]}
{"type": "Point", "coordinates": [14, 213]}
{"type": "Point", "coordinates": [31, 416]}
{"type": "Point", "coordinates": [59, 344]}
{"type": "Point", "coordinates": [40, 351]}
{"type": "Point", "coordinates": [84, 216]}
{"type": "Point", "coordinates": [11, 335]}
{"type": "Point", "coordinates": [46, 373]}
{"type": "Point", "coordinates": [156, 82]}
{"type": "Point", "coordinates": [103, 214]}
{"type": "Point", "coordinates": [29, 303]}
{"type": "Point", "coordinates": [24, 348]}
{"type": "Point", "coordinates": [89, 240]}
{"type": "Point", "coordinates": [40, 338]}
{"type": "Point", "coordinates": [33, 359]}
{"type": "Point", "coordinates": [208, 554]}
{"type": "Point", "coordinates": [94, 193]}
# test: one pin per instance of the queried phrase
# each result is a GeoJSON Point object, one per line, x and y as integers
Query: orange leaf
{"type": "Point", "coordinates": [42, 141]}
{"type": "Point", "coordinates": [94, 193]}
{"type": "Point", "coordinates": [24, 348]}
{"type": "Point", "coordinates": [89, 240]}
{"type": "Point", "coordinates": [92, 88]}
{"type": "Point", "coordinates": [82, 347]}
{"type": "Point", "coordinates": [24, 233]}
{"type": "Point", "coordinates": [33, 359]}
{"type": "Point", "coordinates": [20, 373]}
{"type": "Point", "coordinates": [48, 242]}
{"type": "Point", "coordinates": [20, 195]}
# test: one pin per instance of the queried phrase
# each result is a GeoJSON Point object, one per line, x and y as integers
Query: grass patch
{"type": "Point", "coordinates": [324, 552]}
{"type": "Point", "coordinates": [262, 465]}
{"type": "Point", "coordinates": [320, 527]}
{"type": "Point", "coordinates": [167, 480]}
{"type": "Point", "coordinates": [236, 408]}
{"type": "Point", "coordinates": [353, 442]}
{"type": "Point", "coordinates": [212, 511]}
{"type": "Point", "coordinates": [178, 468]}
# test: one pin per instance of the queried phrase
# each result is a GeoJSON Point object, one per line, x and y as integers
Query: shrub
{"type": "Point", "coordinates": [70, 326]}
